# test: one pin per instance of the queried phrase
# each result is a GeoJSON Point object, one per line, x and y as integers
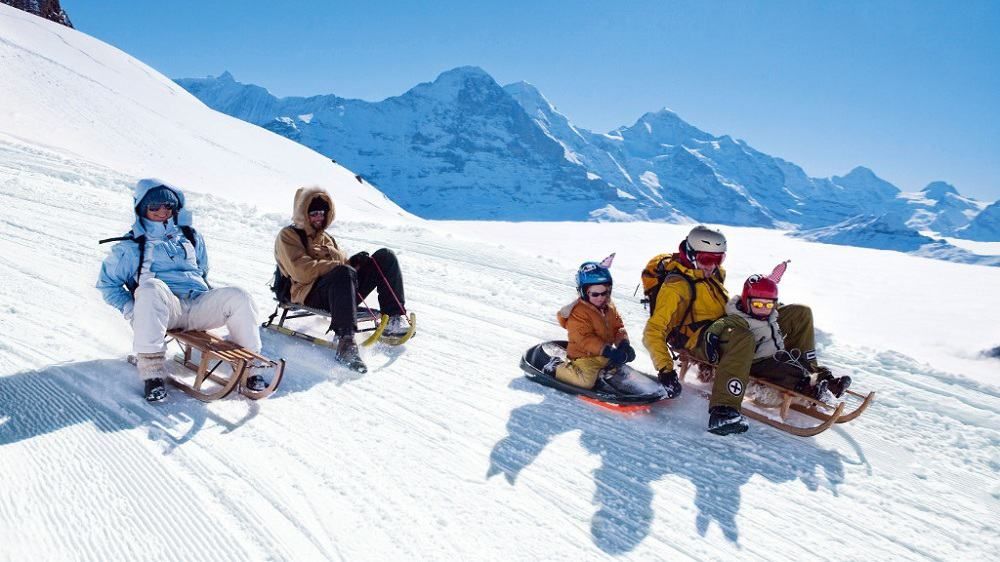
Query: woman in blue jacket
{"type": "Point", "coordinates": [157, 278]}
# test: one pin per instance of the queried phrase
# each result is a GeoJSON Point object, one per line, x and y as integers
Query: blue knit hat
{"type": "Point", "coordinates": [159, 196]}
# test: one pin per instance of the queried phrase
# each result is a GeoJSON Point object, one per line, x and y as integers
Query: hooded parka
{"type": "Point", "coordinates": [169, 256]}
{"type": "Point", "coordinates": [304, 265]}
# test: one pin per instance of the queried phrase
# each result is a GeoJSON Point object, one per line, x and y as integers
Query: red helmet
{"type": "Point", "coordinates": [759, 287]}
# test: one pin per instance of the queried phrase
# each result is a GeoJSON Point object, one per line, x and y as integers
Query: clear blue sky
{"type": "Point", "coordinates": [910, 89]}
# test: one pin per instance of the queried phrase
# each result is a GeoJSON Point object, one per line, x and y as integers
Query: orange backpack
{"type": "Point", "coordinates": [653, 276]}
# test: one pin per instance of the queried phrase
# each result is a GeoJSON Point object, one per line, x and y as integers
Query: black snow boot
{"type": "Point", "coordinates": [670, 382]}
{"type": "Point", "coordinates": [819, 391]}
{"type": "Point", "coordinates": [256, 383]}
{"type": "Point", "coordinates": [723, 420]}
{"type": "Point", "coordinates": [837, 385]}
{"type": "Point", "coordinates": [155, 391]}
{"type": "Point", "coordinates": [347, 354]}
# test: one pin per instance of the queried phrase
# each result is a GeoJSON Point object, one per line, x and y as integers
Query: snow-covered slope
{"type": "Point", "coordinates": [984, 227]}
{"type": "Point", "coordinates": [940, 208]}
{"type": "Point", "coordinates": [99, 104]}
{"type": "Point", "coordinates": [889, 232]}
{"type": "Point", "coordinates": [443, 451]}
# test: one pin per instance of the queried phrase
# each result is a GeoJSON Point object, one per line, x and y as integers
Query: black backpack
{"type": "Point", "coordinates": [281, 285]}
{"type": "Point", "coordinates": [131, 284]}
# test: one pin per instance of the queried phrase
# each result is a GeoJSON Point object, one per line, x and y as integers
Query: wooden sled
{"type": "Point", "coordinates": [218, 351]}
{"type": "Point", "coordinates": [369, 320]}
{"type": "Point", "coordinates": [787, 400]}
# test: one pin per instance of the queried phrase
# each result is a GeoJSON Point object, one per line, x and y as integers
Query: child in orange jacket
{"type": "Point", "coordinates": [598, 343]}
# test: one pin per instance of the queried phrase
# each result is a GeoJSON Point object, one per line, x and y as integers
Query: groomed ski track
{"type": "Point", "coordinates": [442, 450]}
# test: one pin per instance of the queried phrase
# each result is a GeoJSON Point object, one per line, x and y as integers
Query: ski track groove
{"type": "Point", "coordinates": [129, 467]}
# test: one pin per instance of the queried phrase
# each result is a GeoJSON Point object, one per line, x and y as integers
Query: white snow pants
{"type": "Point", "coordinates": [158, 310]}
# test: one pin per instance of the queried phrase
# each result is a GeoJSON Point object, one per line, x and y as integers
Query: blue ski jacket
{"type": "Point", "coordinates": [169, 256]}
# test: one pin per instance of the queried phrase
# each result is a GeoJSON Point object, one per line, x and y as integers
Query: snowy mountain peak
{"type": "Point", "coordinates": [530, 98]}
{"type": "Point", "coordinates": [666, 127]}
{"type": "Point", "coordinates": [859, 173]}
{"type": "Point", "coordinates": [226, 76]}
{"type": "Point", "coordinates": [938, 189]}
{"type": "Point", "coordinates": [450, 82]}
{"type": "Point", "coordinates": [864, 181]}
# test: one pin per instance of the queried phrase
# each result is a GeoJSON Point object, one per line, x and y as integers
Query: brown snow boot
{"type": "Point", "coordinates": [347, 354]}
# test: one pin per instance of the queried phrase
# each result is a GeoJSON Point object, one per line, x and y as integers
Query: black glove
{"type": "Point", "coordinates": [616, 356]}
{"type": "Point", "coordinates": [359, 259]}
{"type": "Point", "coordinates": [627, 349]}
{"type": "Point", "coordinates": [670, 382]}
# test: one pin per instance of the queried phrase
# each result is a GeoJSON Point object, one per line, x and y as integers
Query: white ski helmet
{"type": "Point", "coordinates": [705, 247]}
{"type": "Point", "coordinates": [704, 239]}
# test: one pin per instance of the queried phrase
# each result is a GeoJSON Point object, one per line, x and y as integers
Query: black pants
{"type": "Point", "coordinates": [789, 374]}
{"type": "Point", "coordinates": [334, 292]}
{"type": "Point", "coordinates": [370, 279]}
{"type": "Point", "coordinates": [337, 290]}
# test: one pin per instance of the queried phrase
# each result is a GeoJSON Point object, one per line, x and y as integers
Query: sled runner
{"type": "Point", "coordinates": [368, 320]}
{"type": "Point", "coordinates": [773, 397]}
{"type": "Point", "coordinates": [213, 352]}
{"type": "Point", "coordinates": [647, 390]}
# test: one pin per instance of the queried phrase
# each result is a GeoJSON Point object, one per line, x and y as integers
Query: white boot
{"type": "Point", "coordinates": [151, 365]}
{"type": "Point", "coordinates": [152, 370]}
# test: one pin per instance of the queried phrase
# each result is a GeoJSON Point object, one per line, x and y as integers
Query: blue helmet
{"type": "Point", "coordinates": [591, 273]}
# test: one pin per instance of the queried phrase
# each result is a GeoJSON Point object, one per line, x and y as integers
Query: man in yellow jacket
{"type": "Point", "coordinates": [323, 277]}
{"type": "Point", "coordinates": [689, 313]}
{"type": "Point", "coordinates": [692, 296]}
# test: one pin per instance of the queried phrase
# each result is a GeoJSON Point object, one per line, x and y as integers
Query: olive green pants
{"type": "Point", "coordinates": [582, 371]}
{"type": "Point", "coordinates": [736, 350]}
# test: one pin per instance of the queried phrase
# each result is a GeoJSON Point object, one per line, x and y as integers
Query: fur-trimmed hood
{"type": "Point", "coordinates": [181, 217]}
{"type": "Point", "coordinates": [300, 209]}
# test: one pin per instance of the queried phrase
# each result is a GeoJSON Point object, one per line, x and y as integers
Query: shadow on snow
{"type": "Point", "coordinates": [636, 451]}
{"type": "Point", "coordinates": [108, 394]}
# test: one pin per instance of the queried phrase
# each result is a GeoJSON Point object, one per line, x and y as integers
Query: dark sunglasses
{"type": "Point", "coordinates": [157, 207]}
{"type": "Point", "coordinates": [601, 294]}
{"type": "Point", "coordinates": [319, 213]}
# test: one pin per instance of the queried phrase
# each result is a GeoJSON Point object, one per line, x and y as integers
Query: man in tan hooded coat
{"type": "Point", "coordinates": [324, 277]}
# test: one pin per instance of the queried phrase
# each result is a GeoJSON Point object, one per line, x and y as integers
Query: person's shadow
{"type": "Point", "coordinates": [636, 451]}
{"type": "Point", "coordinates": [107, 394]}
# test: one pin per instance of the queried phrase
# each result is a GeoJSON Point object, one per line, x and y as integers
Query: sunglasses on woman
{"type": "Point", "coordinates": [317, 214]}
{"type": "Point", "coordinates": [157, 207]}
{"type": "Point", "coordinates": [601, 294]}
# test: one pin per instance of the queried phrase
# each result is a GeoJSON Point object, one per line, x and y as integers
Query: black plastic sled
{"type": "Point", "coordinates": [647, 390]}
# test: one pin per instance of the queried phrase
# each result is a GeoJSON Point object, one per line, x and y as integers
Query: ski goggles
{"type": "Point", "coordinates": [761, 305]}
{"type": "Point", "coordinates": [317, 214]}
{"type": "Point", "coordinates": [595, 295]}
{"type": "Point", "coordinates": [157, 207]}
{"type": "Point", "coordinates": [709, 259]}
